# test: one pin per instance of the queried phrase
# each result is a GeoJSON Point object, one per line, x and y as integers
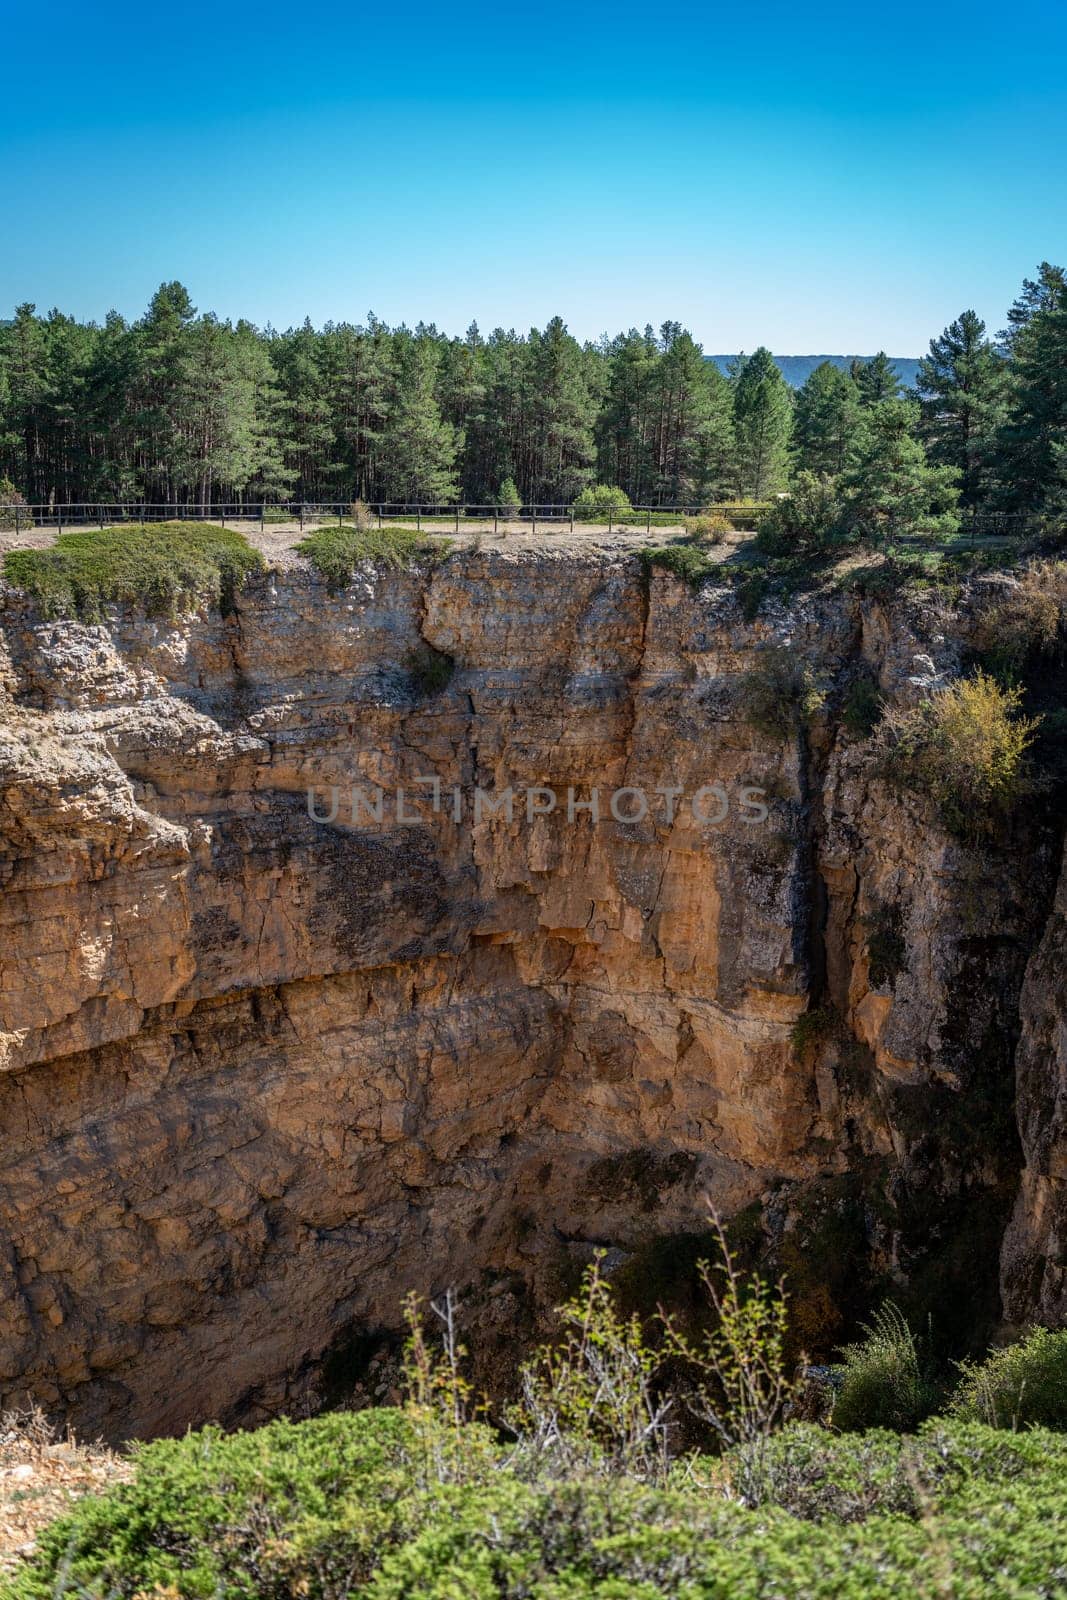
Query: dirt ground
{"type": "Point", "coordinates": [41, 1475]}
{"type": "Point", "coordinates": [277, 541]}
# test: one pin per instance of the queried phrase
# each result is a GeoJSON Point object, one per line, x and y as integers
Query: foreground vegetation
{"type": "Point", "coordinates": [167, 567]}
{"type": "Point", "coordinates": [343, 1505]}
{"type": "Point", "coordinates": [582, 1487]}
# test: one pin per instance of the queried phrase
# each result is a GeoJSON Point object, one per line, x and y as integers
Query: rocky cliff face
{"type": "Point", "coordinates": [264, 1072]}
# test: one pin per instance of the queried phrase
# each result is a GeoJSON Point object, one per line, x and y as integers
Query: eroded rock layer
{"type": "Point", "coordinates": [264, 1072]}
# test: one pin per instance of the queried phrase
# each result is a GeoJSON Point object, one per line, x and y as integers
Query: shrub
{"type": "Point", "coordinates": [587, 1402]}
{"type": "Point", "coordinates": [9, 500]}
{"type": "Point", "coordinates": [293, 1509]}
{"type": "Point", "coordinates": [819, 1476]}
{"type": "Point", "coordinates": [806, 519]}
{"type": "Point", "coordinates": [780, 693]}
{"type": "Point", "coordinates": [1023, 1385]}
{"type": "Point", "coordinates": [508, 499]}
{"type": "Point", "coordinates": [1028, 624]}
{"type": "Point", "coordinates": [166, 567]}
{"type": "Point", "coordinates": [813, 1027]}
{"type": "Point", "coordinates": [966, 748]}
{"type": "Point", "coordinates": [431, 670]}
{"type": "Point", "coordinates": [335, 553]}
{"type": "Point", "coordinates": [599, 502]}
{"type": "Point", "coordinates": [710, 526]}
{"type": "Point", "coordinates": [740, 1389]}
{"type": "Point", "coordinates": [751, 593]}
{"type": "Point", "coordinates": [685, 561]}
{"type": "Point", "coordinates": [862, 707]}
{"type": "Point", "coordinates": [329, 1509]}
{"type": "Point", "coordinates": [881, 1381]}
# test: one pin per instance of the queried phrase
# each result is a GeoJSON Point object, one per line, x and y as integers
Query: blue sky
{"type": "Point", "coordinates": [828, 178]}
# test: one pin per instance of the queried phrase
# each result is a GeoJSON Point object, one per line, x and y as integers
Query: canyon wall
{"type": "Point", "coordinates": [263, 1072]}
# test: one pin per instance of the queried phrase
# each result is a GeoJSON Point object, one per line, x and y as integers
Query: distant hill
{"type": "Point", "coordinates": [795, 369]}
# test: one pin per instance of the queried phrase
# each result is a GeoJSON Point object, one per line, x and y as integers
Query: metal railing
{"type": "Point", "coordinates": [306, 512]}
{"type": "Point", "coordinates": [21, 517]}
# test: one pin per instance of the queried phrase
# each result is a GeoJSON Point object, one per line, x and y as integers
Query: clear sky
{"type": "Point", "coordinates": [819, 178]}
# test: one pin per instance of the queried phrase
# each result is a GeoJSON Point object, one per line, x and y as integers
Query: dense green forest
{"type": "Point", "coordinates": [179, 406]}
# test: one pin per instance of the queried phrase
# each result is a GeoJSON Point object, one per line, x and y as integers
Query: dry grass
{"type": "Point", "coordinates": [41, 1476]}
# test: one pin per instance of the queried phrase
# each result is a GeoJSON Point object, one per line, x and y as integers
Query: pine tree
{"type": "Point", "coordinates": [889, 490]}
{"type": "Point", "coordinates": [624, 426]}
{"type": "Point", "coordinates": [304, 403]}
{"type": "Point", "coordinates": [875, 380]}
{"type": "Point", "coordinates": [825, 420]}
{"type": "Point", "coordinates": [1031, 456]}
{"type": "Point", "coordinates": [963, 385]}
{"type": "Point", "coordinates": [561, 410]}
{"type": "Point", "coordinates": [1046, 292]}
{"type": "Point", "coordinates": [762, 418]}
{"type": "Point", "coordinates": [419, 449]}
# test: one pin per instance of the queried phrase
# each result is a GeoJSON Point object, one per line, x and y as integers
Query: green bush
{"type": "Point", "coordinates": [813, 1027]}
{"type": "Point", "coordinates": [710, 526]}
{"type": "Point", "coordinates": [166, 567]}
{"type": "Point", "coordinates": [334, 1509]}
{"type": "Point", "coordinates": [685, 561]}
{"type": "Point", "coordinates": [336, 552]}
{"type": "Point", "coordinates": [1023, 1385]}
{"type": "Point", "coordinates": [599, 502]}
{"type": "Point", "coordinates": [966, 748]}
{"type": "Point", "coordinates": [806, 519]}
{"type": "Point", "coordinates": [820, 1476]}
{"type": "Point", "coordinates": [288, 1509]}
{"type": "Point", "coordinates": [508, 499]}
{"type": "Point", "coordinates": [13, 509]}
{"type": "Point", "coordinates": [881, 1379]}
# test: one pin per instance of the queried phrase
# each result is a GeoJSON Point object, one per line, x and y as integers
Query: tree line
{"type": "Point", "coordinates": [180, 406]}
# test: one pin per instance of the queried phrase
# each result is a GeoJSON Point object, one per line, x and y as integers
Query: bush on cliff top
{"type": "Point", "coordinates": [166, 567]}
{"type": "Point", "coordinates": [336, 552]}
{"type": "Point", "coordinates": [341, 1507]}
{"type": "Point", "coordinates": [689, 562]}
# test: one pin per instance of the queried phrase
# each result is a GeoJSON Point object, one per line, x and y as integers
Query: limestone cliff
{"type": "Point", "coordinates": [263, 1073]}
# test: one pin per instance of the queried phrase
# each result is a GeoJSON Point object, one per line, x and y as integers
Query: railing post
{"type": "Point", "coordinates": [59, 516]}
{"type": "Point", "coordinates": [300, 513]}
{"type": "Point", "coordinates": [533, 519]}
{"type": "Point", "coordinates": [418, 518]}
{"type": "Point", "coordinates": [572, 518]}
{"type": "Point", "coordinates": [262, 517]}
{"type": "Point", "coordinates": [648, 519]}
{"type": "Point", "coordinates": [610, 518]}
{"type": "Point", "coordinates": [496, 514]}
{"type": "Point", "coordinates": [18, 530]}
{"type": "Point", "coordinates": [457, 519]}
{"type": "Point", "coordinates": [379, 517]}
